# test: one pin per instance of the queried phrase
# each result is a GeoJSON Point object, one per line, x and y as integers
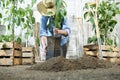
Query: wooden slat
{"type": "Point", "coordinates": [105, 47]}
{"type": "Point", "coordinates": [110, 54]}
{"type": "Point", "coordinates": [18, 46]}
{"type": "Point", "coordinates": [17, 61]}
{"type": "Point", "coordinates": [27, 48]}
{"type": "Point", "coordinates": [10, 45]}
{"type": "Point", "coordinates": [10, 52]}
{"type": "Point", "coordinates": [91, 53]}
{"type": "Point", "coordinates": [6, 61]}
{"type": "Point", "coordinates": [17, 53]}
{"type": "Point", "coordinates": [114, 60]}
{"type": "Point", "coordinates": [6, 44]}
{"type": "Point", "coordinates": [6, 52]}
{"type": "Point", "coordinates": [90, 47]}
{"type": "Point", "coordinates": [36, 36]}
{"type": "Point", "coordinates": [28, 60]}
{"type": "Point", "coordinates": [10, 61]}
{"type": "Point", "coordinates": [27, 54]}
{"type": "Point", "coordinates": [105, 54]}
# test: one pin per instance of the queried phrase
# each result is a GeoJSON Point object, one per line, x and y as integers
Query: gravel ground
{"type": "Point", "coordinates": [22, 73]}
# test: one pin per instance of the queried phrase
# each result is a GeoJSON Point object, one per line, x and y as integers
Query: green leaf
{"type": "Point", "coordinates": [86, 14]}
{"type": "Point", "coordinates": [19, 41]}
{"type": "Point", "coordinates": [33, 1]}
{"type": "Point", "coordinates": [25, 26]}
{"type": "Point", "coordinates": [6, 38]}
{"type": "Point", "coordinates": [8, 27]}
{"type": "Point", "coordinates": [37, 41]}
{"type": "Point", "coordinates": [18, 21]}
{"type": "Point", "coordinates": [117, 3]}
{"type": "Point", "coordinates": [7, 3]}
{"type": "Point", "coordinates": [22, 19]}
{"type": "Point", "coordinates": [86, 6]}
{"type": "Point", "coordinates": [26, 35]}
{"type": "Point", "coordinates": [33, 20]}
{"type": "Point", "coordinates": [11, 37]}
{"type": "Point", "coordinates": [1, 38]}
{"type": "Point", "coordinates": [89, 40]}
{"type": "Point", "coordinates": [92, 20]}
{"type": "Point", "coordinates": [0, 15]}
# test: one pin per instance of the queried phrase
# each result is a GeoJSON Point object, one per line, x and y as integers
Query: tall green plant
{"type": "Point", "coordinates": [17, 16]}
{"type": "Point", "coordinates": [29, 23]}
{"type": "Point", "coordinates": [107, 10]}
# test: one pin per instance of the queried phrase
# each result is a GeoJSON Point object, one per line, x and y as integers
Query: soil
{"type": "Point", "coordinates": [62, 64]}
{"type": "Point", "coordinates": [59, 68]}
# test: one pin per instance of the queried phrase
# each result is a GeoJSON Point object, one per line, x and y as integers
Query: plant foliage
{"type": "Point", "coordinates": [107, 10]}
{"type": "Point", "coordinates": [60, 12]}
{"type": "Point", "coordinates": [17, 16]}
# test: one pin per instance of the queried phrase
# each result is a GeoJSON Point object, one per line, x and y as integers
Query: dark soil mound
{"type": "Point", "coordinates": [62, 64]}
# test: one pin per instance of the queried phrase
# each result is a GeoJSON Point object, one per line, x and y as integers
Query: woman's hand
{"type": "Point", "coordinates": [55, 31]}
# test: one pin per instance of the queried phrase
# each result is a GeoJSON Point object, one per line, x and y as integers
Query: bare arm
{"type": "Point", "coordinates": [62, 32]}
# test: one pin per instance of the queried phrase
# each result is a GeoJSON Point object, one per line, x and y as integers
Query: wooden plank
{"type": "Point", "coordinates": [10, 52]}
{"type": "Point", "coordinates": [90, 47]}
{"type": "Point", "coordinates": [6, 52]}
{"type": "Point", "coordinates": [6, 44]}
{"type": "Point", "coordinates": [17, 53]}
{"type": "Point", "coordinates": [114, 60]}
{"type": "Point", "coordinates": [27, 48]}
{"type": "Point", "coordinates": [110, 54]}
{"type": "Point", "coordinates": [105, 47]}
{"type": "Point", "coordinates": [6, 61]}
{"type": "Point", "coordinates": [27, 54]}
{"type": "Point", "coordinates": [18, 46]}
{"type": "Point", "coordinates": [28, 60]}
{"type": "Point", "coordinates": [10, 45]}
{"type": "Point", "coordinates": [17, 61]}
{"type": "Point", "coordinates": [36, 36]}
{"type": "Point", "coordinates": [105, 54]}
{"type": "Point", "coordinates": [91, 53]}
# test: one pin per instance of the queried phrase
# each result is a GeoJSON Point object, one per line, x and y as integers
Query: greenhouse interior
{"type": "Point", "coordinates": [60, 40]}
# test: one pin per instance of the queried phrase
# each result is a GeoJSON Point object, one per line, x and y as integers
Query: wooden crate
{"type": "Point", "coordinates": [10, 53]}
{"type": "Point", "coordinates": [28, 55]}
{"type": "Point", "coordinates": [112, 56]}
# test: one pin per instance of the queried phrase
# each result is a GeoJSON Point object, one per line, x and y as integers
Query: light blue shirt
{"type": "Point", "coordinates": [45, 31]}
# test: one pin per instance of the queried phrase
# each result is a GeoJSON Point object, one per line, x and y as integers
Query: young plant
{"type": "Point", "coordinates": [60, 13]}
{"type": "Point", "coordinates": [29, 22]}
{"type": "Point", "coordinates": [17, 16]}
{"type": "Point", "coordinates": [107, 10]}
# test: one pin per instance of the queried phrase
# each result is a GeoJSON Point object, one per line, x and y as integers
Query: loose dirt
{"type": "Point", "coordinates": [61, 64]}
{"type": "Point", "coordinates": [59, 68]}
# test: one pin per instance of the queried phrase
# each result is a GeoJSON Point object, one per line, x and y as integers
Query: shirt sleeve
{"type": "Point", "coordinates": [65, 26]}
{"type": "Point", "coordinates": [43, 25]}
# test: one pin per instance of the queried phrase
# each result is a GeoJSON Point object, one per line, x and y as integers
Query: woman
{"type": "Point", "coordinates": [48, 28]}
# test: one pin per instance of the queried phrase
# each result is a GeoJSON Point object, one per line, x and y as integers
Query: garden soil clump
{"type": "Point", "coordinates": [61, 64]}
